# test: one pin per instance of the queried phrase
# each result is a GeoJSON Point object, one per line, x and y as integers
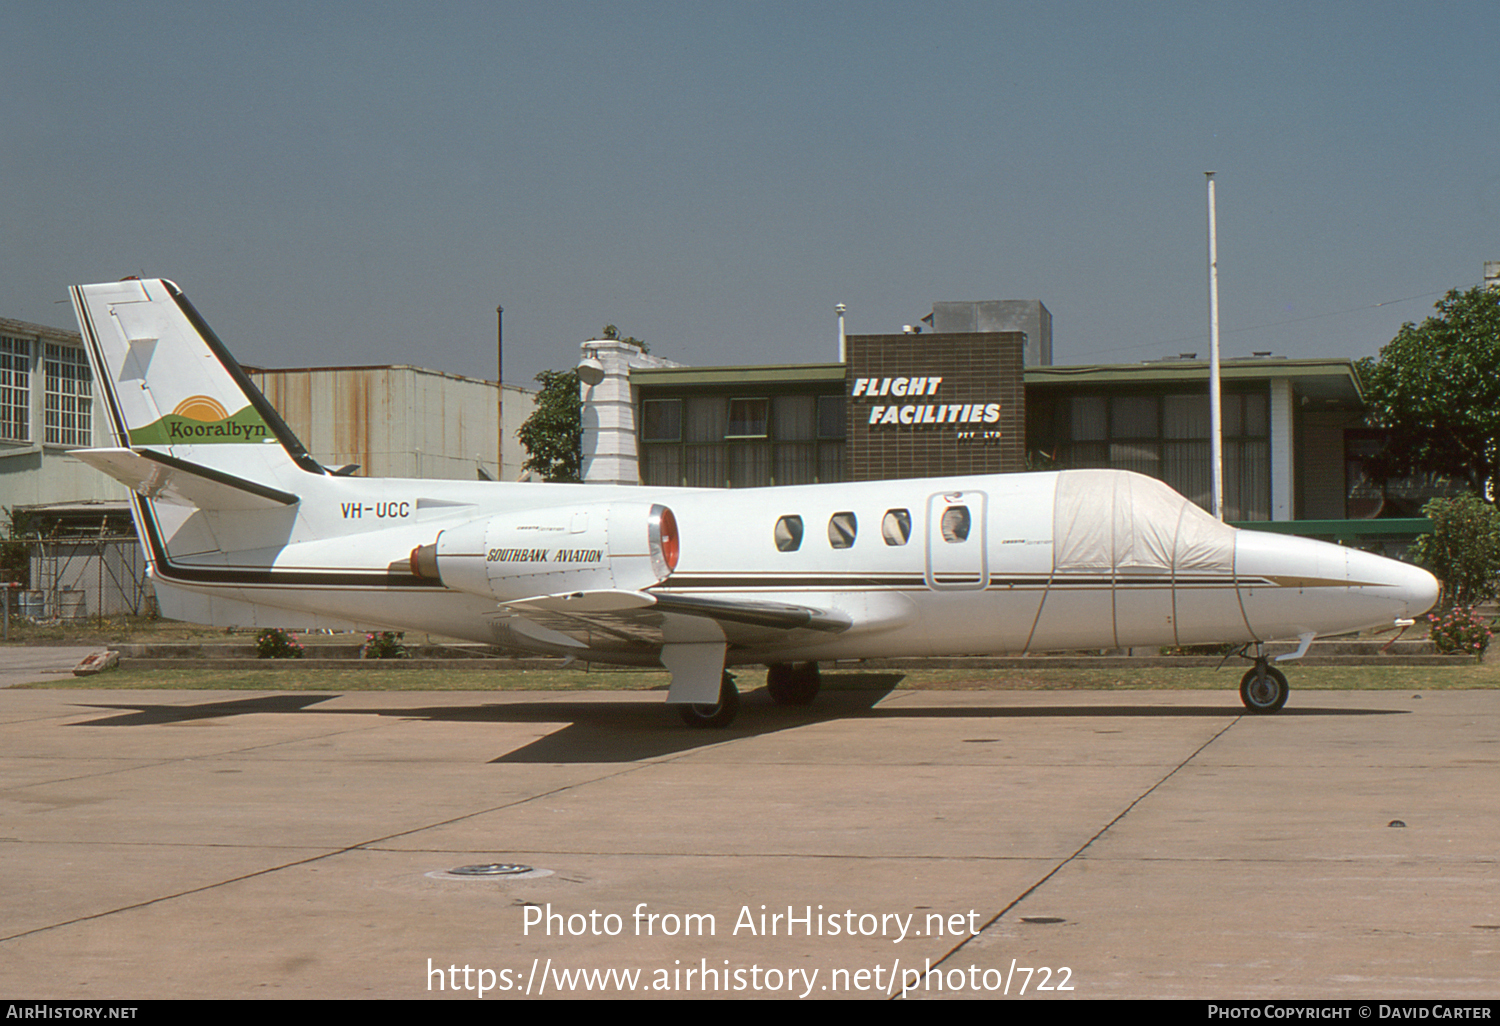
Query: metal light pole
{"type": "Point", "coordinates": [1215, 408]}
{"type": "Point", "coordinates": [500, 393]}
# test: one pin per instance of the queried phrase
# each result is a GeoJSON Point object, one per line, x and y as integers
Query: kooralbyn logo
{"type": "Point", "coordinates": [202, 420]}
{"type": "Point", "coordinates": [202, 407]}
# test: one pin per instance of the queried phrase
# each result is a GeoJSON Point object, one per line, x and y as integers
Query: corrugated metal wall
{"type": "Point", "coordinates": [400, 421]}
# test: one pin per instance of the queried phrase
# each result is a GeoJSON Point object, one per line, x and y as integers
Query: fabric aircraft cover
{"type": "Point", "coordinates": [1115, 521]}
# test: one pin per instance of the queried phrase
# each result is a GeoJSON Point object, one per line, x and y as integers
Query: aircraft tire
{"type": "Point", "coordinates": [722, 714]}
{"type": "Point", "coordinates": [1264, 689]}
{"type": "Point", "coordinates": [793, 685]}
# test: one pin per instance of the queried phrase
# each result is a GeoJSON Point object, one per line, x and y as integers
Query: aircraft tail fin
{"type": "Point", "coordinates": [170, 386]}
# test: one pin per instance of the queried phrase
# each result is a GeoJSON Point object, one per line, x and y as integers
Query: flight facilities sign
{"type": "Point", "coordinates": [935, 404]}
{"type": "Point", "coordinates": [972, 415]}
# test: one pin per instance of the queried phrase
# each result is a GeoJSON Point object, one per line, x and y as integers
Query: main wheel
{"type": "Point", "coordinates": [1264, 689]}
{"type": "Point", "coordinates": [793, 685]}
{"type": "Point", "coordinates": [721, 714]}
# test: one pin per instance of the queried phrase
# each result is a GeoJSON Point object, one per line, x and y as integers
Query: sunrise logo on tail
{"type": "Point", "coordinates": [202, 420]}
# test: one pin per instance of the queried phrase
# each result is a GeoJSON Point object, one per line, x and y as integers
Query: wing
{"type": "Point", "coordinates": [641, 620]}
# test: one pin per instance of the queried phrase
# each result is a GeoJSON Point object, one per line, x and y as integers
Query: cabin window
{"type": "Point", "coordinates": [955, 524]}
{"type": "Point", "coordinates": [789, 534]}
{"type": "Point", "coordinates": [896, 527]}
{"type": "Point", "coordinates": [842, 528]}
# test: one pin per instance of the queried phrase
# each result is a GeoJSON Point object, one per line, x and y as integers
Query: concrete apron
{"type": "Point", "coordinates": [1125, 845]}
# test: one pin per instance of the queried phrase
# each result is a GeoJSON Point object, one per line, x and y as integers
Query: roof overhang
{"type": "Point", "coordinates": [1334, 382]}
{"type": "Point", "coordinates": [789, 374]}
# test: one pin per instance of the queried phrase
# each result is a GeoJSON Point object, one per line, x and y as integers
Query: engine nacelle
{"type": "Point", "coordinates": [595, 547]}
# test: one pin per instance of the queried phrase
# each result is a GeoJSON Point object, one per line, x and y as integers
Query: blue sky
{"type": "Point", "coordinates": [357, 183]}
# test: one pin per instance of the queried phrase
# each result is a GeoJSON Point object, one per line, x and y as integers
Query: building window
{"type": "Point", "coordinates": [68, 398]}
{"type": "Point", "coordinates": [749, 465]}
{"type": "Point", "coordinates": [661, 420]}
{"type": "Point", "coordinates": [15, 389]}
{"type": "Point", "coordinates": [1167, 437]}
{"type": "Point", "coordinates": [747, 418]}
{"type": "Point", "coordinates": [831, 422]}
{"type": "Point", "coordinates": [714, 441]}
{"type": "Point", "coordinates": [795, 455]}
{"type": "Point", "coordinates": [703, 456]}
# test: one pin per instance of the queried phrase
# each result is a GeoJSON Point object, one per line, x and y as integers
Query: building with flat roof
{"type": "Point", "coordinates": [1284, 425]}
{"type": "Point", "coordinates": [936, 403]}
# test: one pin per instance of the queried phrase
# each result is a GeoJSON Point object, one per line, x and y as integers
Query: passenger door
{"type": "Point", "coordinates": [956, 555]}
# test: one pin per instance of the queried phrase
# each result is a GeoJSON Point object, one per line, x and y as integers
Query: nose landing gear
{"type": "Point", "coordinates": [1264, 689]}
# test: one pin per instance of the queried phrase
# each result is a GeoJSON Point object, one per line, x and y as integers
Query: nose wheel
{"type": "Point", "coordinates": [1264, 688]}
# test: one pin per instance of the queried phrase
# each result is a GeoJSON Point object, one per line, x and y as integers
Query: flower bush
{"type": "Point", "coordinates": [275, 643]}
{"type": "Point", "coordinates": [1460, 631]}
{"type": "Point", "coordinates": [384, 645]}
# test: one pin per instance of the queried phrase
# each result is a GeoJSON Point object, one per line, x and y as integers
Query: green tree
{"type": "Point", "coordinates": [15, 552]}
{"type": "Point", "coordinates": [553, 434]}
{"type": "Point", "coordinates": [1463, 550]}
{"type": "Point", "coordinates": [1436, 388]}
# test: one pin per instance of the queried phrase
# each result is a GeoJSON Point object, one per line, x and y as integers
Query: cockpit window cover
{"type": "Point", "coordinates": [1108, 520]}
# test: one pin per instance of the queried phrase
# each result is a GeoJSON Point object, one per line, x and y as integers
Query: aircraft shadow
{"type": "Point", "coordinates": [594, 731]}
{"type": "Point", "coordinates": [604, 731]}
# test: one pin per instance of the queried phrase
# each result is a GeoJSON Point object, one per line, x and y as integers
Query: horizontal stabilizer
{"type": "Point", "coordinates": [167, 479]}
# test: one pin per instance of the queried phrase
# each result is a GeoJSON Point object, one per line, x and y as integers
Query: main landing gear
{"type": "Point", "coordinates": [793, 684]}
{"type": "Point", "coordinates": [720, 714]}
{"type": "Point", "coordinates": [788, 683]}
{"type": "Point", "coordinates": [1263, 688]}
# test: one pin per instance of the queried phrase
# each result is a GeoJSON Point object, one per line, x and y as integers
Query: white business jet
{"type": "Point", "coordinates": [243, 528]}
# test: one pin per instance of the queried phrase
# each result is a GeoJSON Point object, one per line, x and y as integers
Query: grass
{"type": "Point", "coordinates": [287, 676]}
{"type": "Point", "coordinates": [117, 630]}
